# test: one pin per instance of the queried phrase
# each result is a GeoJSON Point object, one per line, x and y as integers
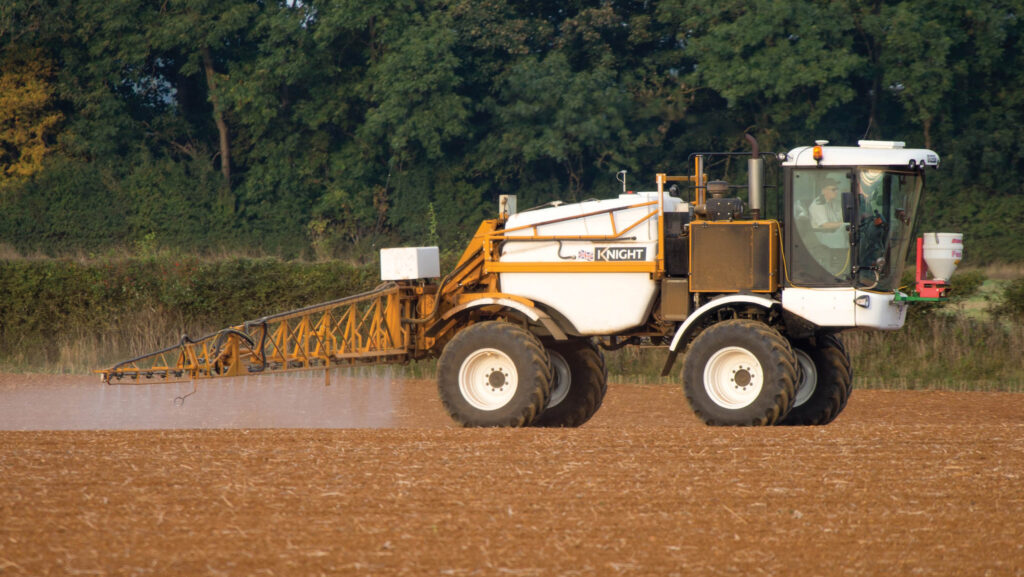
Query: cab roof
{"type": "Point", "coordinates": [867, 153]}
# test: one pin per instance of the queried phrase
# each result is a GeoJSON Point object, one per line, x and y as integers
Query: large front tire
{"type": "Point", "coordinates": [740, 373]}
{"type": "Point", "coordinates": [825, 384]}
{"type": "Point", "coordinates": [579, 384]}
{"type": "Point", "coordinates": [494, 374]}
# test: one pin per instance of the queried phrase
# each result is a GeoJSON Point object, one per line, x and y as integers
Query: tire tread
{"type": "Point", "coordinates": [537, 360]}
{"type": "Point", "coordinates": [834, 387]}
{"type": "Point", "coordinates": [580, 404]}
{"type": "Point", "coordinates": [781, 361]}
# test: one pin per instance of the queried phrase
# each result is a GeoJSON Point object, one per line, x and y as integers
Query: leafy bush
{"type": "Point", "coordinates": [1010, 302]}
{"type": "Point", "coordinates": [65, 208]}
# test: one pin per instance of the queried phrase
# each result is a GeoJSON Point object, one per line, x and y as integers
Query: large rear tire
{"type": "Point", "coordinates": [580, 381]}
{"type": "Point", "coordinates": [494, 374]}
{"type": "Point", "coordinates": [740, 373]}
{"type": "Point", "coordinates": [825, 383]}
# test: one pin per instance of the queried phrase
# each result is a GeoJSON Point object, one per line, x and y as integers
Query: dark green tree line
{"type": "Point", "coordinates": [332, 128]}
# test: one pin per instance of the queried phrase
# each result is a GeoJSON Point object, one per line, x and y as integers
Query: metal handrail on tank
{"type": "Point", "coordinates": [499, 237]}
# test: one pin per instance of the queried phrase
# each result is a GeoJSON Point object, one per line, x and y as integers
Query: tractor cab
{"type": "Point", "coordinates": [850, 214]}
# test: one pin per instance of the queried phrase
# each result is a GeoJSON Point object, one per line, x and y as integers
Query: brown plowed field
{"type": "Point", "coordinates": [903, 483]}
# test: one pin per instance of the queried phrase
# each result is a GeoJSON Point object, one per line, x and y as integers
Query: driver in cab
{"type": "Point", "coordinates": [827, 216]}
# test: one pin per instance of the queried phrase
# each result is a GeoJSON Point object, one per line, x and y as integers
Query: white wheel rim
{"type": "Point", "coordinates": [808, 378]}
{"type": "Point", "coordinates": [733, 378]}
{"type": "Point", "coordinates": [562, 379]}
{"type": "Point", "coordinates": [488, 379]}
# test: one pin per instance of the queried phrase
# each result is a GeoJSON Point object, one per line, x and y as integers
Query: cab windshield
{"type": "Point", "coordinates": [851, 226]}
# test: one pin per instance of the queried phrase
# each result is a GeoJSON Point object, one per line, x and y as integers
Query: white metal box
{"type": "Point", "coordinates": [410, 263]}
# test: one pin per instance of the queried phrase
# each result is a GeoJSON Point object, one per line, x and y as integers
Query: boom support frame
{"type": "Point", "coordinates": [366, 328]}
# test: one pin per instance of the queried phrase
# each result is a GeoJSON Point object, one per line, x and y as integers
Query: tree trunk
{"type": "Point", "coordinates": [218, 117]}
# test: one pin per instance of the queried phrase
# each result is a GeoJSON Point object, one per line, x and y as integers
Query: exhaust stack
{"type": "Point", "coordinates": [755, 178]}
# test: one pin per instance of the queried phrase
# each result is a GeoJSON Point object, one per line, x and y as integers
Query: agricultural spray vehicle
{"type": "Point", "coordinates": [754, 305]}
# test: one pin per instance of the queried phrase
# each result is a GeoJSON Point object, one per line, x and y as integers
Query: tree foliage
{"type": "Point", "coordinates": [331, 128]}
{"type": "Point", "coordinates": [28, 118]}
